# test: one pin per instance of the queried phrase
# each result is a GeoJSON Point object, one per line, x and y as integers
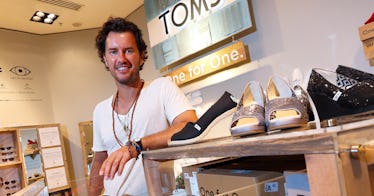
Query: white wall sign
{"type": "Point", "coordinates": [52, 157]}
{"type": "Point", "coordinates": [49, 136]}
{"type": "Point", "coordinates": [17, 83]}
{"type": "Point", "coordinates": [56, 177]}
{"type": "Point", "coordinates": [181, 28]}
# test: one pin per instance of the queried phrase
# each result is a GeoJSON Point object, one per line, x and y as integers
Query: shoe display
{"type": "Point", "coordinates": [303, 97]}
{"type": "Point", "coordinates": [337, 95]}
{"type": "Point", "coordinates": [249, 115]}
{"type": "Point", "coordinates": [193, 132]}
{"type": "Point", "coordinates": [283, 109]}
{"type": "Point", "coordinates": [355, 74]}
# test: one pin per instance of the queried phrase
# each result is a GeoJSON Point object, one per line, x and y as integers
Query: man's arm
{"type": "Point", "coordinates": [160, 139]}
{"type": "Point", "coordinates": [96, 181]}
{"type": "Point", "coordinates": [117, 160]}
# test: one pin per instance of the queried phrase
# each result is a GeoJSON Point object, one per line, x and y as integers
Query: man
{"type": "Point", "coordinates": [138, 116]}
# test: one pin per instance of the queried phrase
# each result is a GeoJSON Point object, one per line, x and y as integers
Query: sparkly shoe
{"type": "Point", "coordinates": [283, 109]}
{"type": "Point", "coordinates": [336, 95]}
{"type": "Point", "coordinates": [249, 115]}
{"type": "Point", "coordinates": [355, 74]}
{"type": "Point", "coordinates": [303, 97]}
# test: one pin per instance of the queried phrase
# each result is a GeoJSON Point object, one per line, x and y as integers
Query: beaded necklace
{"type": "Point", "coordinates": [127, 129]}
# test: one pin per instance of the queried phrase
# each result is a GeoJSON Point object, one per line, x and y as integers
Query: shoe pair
{"type": "Point", "coordinates": [195, 132]}
{"type": "Point", "coordinates": [347, 91]}
{"type": "Point", "coordinates": [281, 108]}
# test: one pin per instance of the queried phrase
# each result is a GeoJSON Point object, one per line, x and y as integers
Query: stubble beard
{"type": "Point", "coordinates": [131, 79]}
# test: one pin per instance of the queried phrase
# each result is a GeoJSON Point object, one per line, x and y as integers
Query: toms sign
{"type": "Point", "coordinates": [184, 12]}
{"type": "Point", "coordinates": [180, 28]}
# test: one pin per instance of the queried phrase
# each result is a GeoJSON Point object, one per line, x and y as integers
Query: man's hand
{"type": "Point", "coordinates": [116, 162]}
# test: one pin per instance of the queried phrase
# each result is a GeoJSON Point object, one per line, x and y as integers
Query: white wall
{"type": "Point", "coordinates": [16, 107]}
{"type": "Point", "coordinates": [290, 34]}
{"type": "Point", "coordinates": [298, 34]}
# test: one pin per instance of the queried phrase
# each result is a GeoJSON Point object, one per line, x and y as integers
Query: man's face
{"type": "Point", "coordinates": [122, 57]}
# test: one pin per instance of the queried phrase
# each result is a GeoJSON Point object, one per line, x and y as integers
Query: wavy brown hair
{"type": "Point", "coordinates": [120, 25]}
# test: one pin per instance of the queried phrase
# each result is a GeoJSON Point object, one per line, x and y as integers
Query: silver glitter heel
{"type": "Point", "coordinates": [249, 115]}
{"type": "Point", "coordinates": [283, 109]}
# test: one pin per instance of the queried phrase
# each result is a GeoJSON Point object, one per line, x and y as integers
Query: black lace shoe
{"type": "Point", "coordinates": [356, 74]}
{"type": "Point", "coordinates": [336, 95]}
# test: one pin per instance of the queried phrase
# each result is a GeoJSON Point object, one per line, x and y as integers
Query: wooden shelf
{"type": "Point", "coordinates": [326, 152]}
{"type": "Point", "coordinates": [34, 179]}
{"type": "Point", "coordinates": [51, 148]}
{"type": "Point", "coordinates": [10, 163]}
{"type": "Point", "coordinates": [31, 154]}
{"type": "Point", "coordinates": [11, 170]}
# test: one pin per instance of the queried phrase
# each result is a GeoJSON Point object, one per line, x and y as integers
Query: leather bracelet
{"type": "Point", "coordinates": [137, 147]}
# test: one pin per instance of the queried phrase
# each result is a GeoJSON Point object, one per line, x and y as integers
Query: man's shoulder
{"type": "Point", "coordinates": [104, 103]}
{"type": "Point", "coordinates": [161, 82]}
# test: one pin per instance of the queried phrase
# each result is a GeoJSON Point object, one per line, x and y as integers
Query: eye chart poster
{"type": "Point", "coordinates": [18, 83]}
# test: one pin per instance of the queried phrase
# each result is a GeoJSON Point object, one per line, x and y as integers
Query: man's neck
{"type": "Point", "coordinates": [127, 95]}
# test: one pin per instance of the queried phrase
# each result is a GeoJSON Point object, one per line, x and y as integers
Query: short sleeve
{"type": "Point", "coordinates": [175, 101]}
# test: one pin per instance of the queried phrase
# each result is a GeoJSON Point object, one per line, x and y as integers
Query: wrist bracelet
{"type": "Point", "coordinates": [139, 145]}
{"type": "Point", "coordinates": [136, 146]}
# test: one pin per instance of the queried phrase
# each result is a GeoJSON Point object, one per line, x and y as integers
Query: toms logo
{"type": "Point", "coordinates": [183, 12]}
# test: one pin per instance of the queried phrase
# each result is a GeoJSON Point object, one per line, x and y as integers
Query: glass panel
{"type": "Point", "coordinates": [86, 135]}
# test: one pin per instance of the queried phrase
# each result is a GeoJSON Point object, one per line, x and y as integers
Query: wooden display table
{"type": "Point", "coordinates": [331, 168]}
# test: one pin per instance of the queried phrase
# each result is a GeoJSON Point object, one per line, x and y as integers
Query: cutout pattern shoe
{"type": "Point", "coordinates": [249, 115]}
{"type": "Point", "coordinates": [194, 132]}
{"type": "Point", "coordinates": [336, 95]}
{"type": "Point", "coordinates": [283, 109]}
{"type": "Point", "coordinates": [303, 97]}
{"type": "Point", "coordinates": [355, 74]}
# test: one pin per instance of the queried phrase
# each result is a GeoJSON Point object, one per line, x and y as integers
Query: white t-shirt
{"type": "Point", "coordinates": [158, 104]}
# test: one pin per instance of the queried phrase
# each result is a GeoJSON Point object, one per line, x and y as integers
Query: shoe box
{"type": "Point", "coordinates": [366, 33]}
{"type": "Point", "coordinates": [209, 178]}
{"type": "Point", "coordinates": [296, 184]}
{"type": "Point", "coordinates": [261, 174]}
{"type": "Point", "coordinates": [240, 182]}
{"type": "Point", "coordinates": [190, 172]}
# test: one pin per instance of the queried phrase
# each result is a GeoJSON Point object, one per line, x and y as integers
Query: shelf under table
{"type": "Point", "coordinates": [331, 169]}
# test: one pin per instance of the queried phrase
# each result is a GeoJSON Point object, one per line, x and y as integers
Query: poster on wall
{"type": "Point", "coordinates": [52, 157]}
{"type": "Point", "coordinates": [180, 28]}
{"type": "Point", "coordinates": [56, 177]}
{"type": "Point", "coordinates": [49, 136]}
{"type": "Point", "coordinates": [18, 83]}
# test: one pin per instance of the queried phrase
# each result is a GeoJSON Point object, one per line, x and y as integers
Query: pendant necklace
{"type": "Point", "coordinates": [127, 128]}
{"type": "Point", "coordinates": [124, 123]}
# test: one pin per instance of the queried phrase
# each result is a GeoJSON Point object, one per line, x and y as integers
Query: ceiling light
{"type": "Point", "coordinates": [51, 16]}
{"type": "Point", "coordinates": [40, 14]}
{"type": "Point", "coordinates": [36, 18]}
{"type": "Point", "coordinates": [43, 17]}
{"type": "Point", "coordinates": [48, 20]}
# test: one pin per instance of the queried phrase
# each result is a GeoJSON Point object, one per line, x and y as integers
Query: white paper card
{"type": "Point", "coordinates": [56, 177]}
{"type": "Point", "coordinates": [52, 157]}
{"type": "Point", "coordinates": [49, 136]}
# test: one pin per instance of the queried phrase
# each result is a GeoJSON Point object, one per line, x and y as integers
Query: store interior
{"type": "Point", "coordinates": [67, 78]}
